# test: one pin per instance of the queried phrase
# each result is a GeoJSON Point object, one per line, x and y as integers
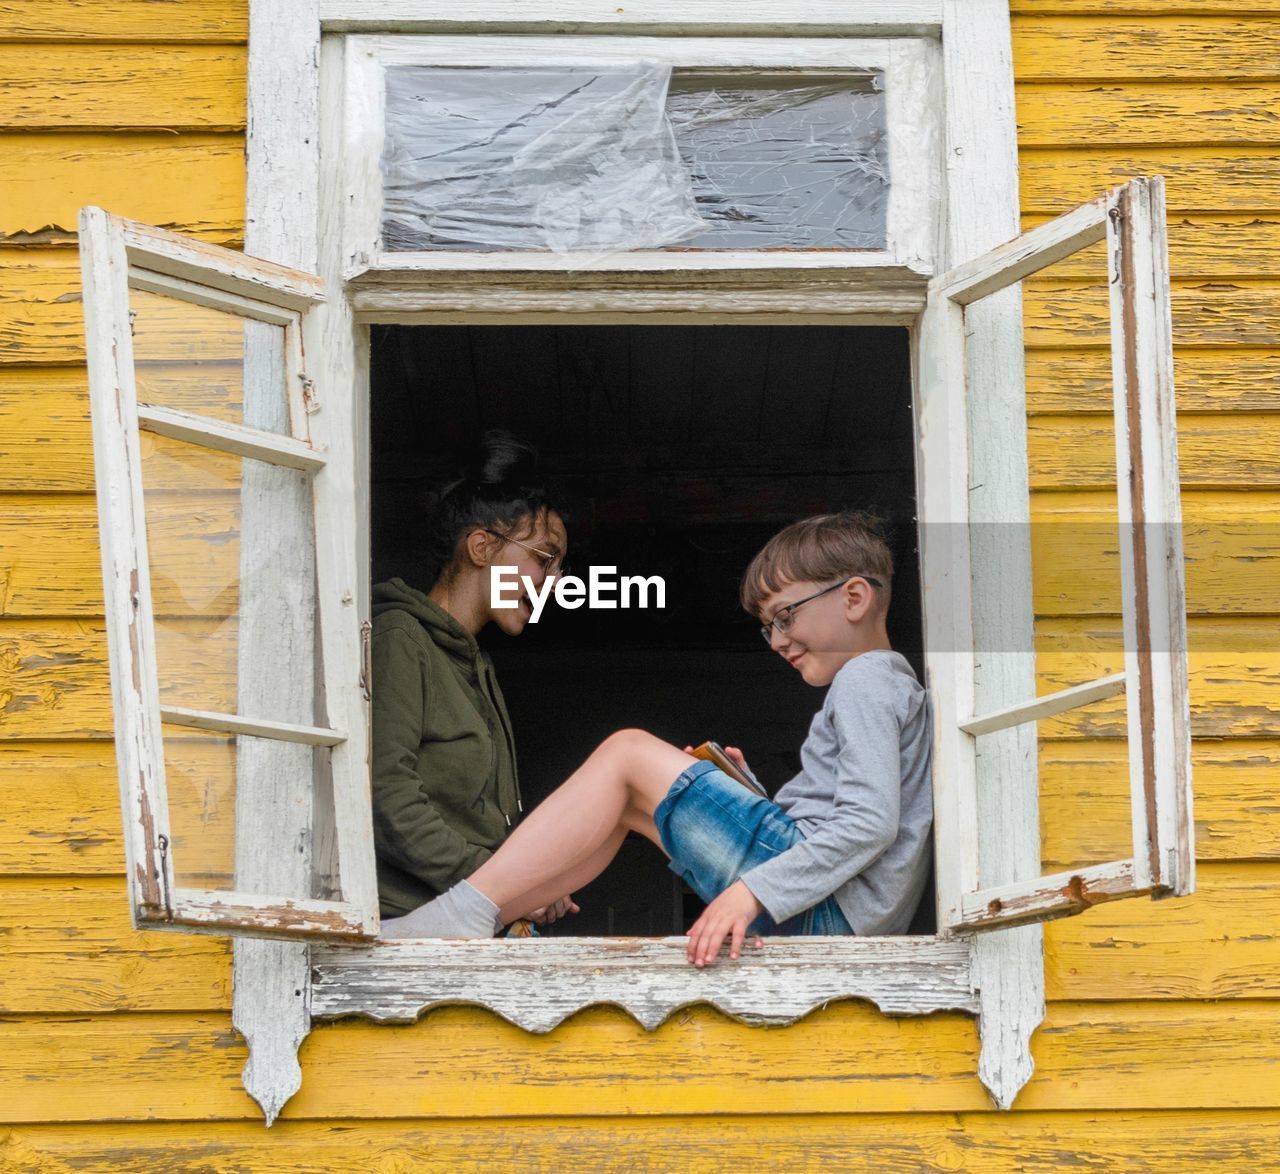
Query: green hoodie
{"type": "Point", "coordinates": [445, 790]}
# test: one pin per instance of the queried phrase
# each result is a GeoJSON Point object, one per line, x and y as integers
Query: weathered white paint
{"type": "Point", "coordinates": [1005, 979]}
{"type": "Point", "coordinates": [1044, 897]}
{"type": "Point", "coordinates": [230, 438]}
{"type": "Point", "coordinates": [266, 680]}
{"type": "Point", "coordinates": [886, 304]}
{"type": "Point", "coordinates": [981, 154]}
{"type": "Point", "coordinates": [203, 719]}
{"type": "Point", "coordinates": [1028, 253]}
{"type": "Point", "coordinates": [159, 251]}
{"type": "Point", "coordinates": [1155, 658]}
{"type": "Point", "coordinates": [763, 18]}
{"type": "Point", "coordinates": [538, 983]}
{"type": "Point", "coordinates": [206, 911]}
{"type": "Point", "coordinates": [1047, 705]}
{"type": "Point", "coordinates": [126, 577]}
{"type": "Point", "coordinates": [868, 266]}
{"type": "Point", "coordinates": [910, 67]}
{"type": "Point", "coordinates": [1151, 562]}
{"type": "Point", "coordinates": [942, 505]}
{"type": "Point", "coordinates": [1155, 634]}
{"type": "Point", "coordinates": [203, 295]}
{"type": "Point", "coordinates": [270, 982]}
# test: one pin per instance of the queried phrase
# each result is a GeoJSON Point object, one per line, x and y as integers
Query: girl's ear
{"type": "Point", "coordinates": [478, 547]}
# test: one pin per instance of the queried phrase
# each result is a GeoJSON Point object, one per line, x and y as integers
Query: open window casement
{"type": "Point", "coordinates": [1131, 219]}
{"type": "Point", "coordinates": [225, 509]}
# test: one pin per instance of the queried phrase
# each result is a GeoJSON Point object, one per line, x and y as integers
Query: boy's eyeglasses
{"type": "Point", "coordinates": [552, 564]}
{"type": "Point", "coordinates": [785, 616]}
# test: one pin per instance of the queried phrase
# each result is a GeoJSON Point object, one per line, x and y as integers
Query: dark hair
{"type": "Point", "coordinates": [821, 549]}
{"type": "Point", "coordinates": [500, 489]}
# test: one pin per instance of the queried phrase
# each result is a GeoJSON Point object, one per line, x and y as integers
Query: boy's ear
{"type": "Point", "coordinates": [859, 599]}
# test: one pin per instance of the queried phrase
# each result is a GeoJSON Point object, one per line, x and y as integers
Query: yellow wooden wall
{"type": "Point", "coordinates": [1161, 1049]}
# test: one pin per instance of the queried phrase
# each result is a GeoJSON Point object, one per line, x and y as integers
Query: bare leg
{"type": "Point", "coordinates": [565, 885]}
{"type": "Point", "coordinates": [579, 826]}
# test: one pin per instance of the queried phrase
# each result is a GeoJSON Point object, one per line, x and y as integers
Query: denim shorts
{"type": "Point", "coordinates": [715, 829]}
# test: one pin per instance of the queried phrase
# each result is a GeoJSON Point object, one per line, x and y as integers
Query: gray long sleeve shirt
{"type": "Point", "coordinates": [863, 801]}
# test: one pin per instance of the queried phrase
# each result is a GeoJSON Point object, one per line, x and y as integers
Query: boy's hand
{"type": "Point", "coordinates": [550, 914]}
{"type": "Point", "coordinates": [734, 755]}
{"type": "Point", "coordinates": [727, 916]}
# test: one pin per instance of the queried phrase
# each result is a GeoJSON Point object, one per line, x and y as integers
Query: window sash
{"type": "Point", "coordinates": [1131, 219]}
{"type": "Point", "coordinates": [118, 255]}
{"type": "Point", "coordinates": [909, 64]}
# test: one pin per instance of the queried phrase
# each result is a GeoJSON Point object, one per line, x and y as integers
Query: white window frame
{"type": "Point", "coordinates": [293, 218]}
{"type": "Point", "coordinates": [119, 255]}
{"type": "Point", "coordinates": [1131, 220]}
{"type": "Point", "coordinates": [908, 67]}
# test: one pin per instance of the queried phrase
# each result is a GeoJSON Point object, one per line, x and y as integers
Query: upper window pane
{"type": "Point", "coordinates": [780, 163]}
{"type": "Point", "coordinates": [630, 157]}
{"type": "Point", "coordinates": [208, 362]}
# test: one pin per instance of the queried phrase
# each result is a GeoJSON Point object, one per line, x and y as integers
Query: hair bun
{"type": "Point", "coordinates": [502, 462]}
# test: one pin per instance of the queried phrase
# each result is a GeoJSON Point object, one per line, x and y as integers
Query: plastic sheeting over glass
{"type": "Point", "coordinates": [532, 158]}
{"type": "Point", "coordinates": [776, 165]}
{"type": "Point", "coordinates": [588, 158]}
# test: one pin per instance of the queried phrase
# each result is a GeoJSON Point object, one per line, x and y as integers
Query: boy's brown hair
{"type": "Point", "coordinates": [822, 549]}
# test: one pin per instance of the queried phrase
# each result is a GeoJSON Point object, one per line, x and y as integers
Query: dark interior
{"type": "Point", "coordinates": [682, 449]}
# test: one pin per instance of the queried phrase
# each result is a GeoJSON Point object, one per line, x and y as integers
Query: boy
{"type": "Point", "coordinates": [844, 846]}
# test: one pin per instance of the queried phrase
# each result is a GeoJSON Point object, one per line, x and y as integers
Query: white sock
{"type": "Point", "coordinates": [462, 912]}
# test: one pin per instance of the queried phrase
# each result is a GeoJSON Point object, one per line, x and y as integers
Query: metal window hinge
{"type": "Point", "coordinates": [163, 842]}
{"type": "Point", "coordinates": [366, 660]}
{"type": "Point", "coordinates": [1116, 217]}
{"type": "Point", "coordinates": [310, 400]}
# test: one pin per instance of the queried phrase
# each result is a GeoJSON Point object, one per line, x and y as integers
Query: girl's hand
{"type": "Point", "coordinates": [727, 916]}
{"type": "Point", "coordinates": [550, 914]}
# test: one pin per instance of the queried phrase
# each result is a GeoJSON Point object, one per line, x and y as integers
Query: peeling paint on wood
{"type": "Point", "coordinates": [1094, 1058]}
{"type": "Point", "coordinates": [538, 984]}
{"type": "Point", "coordinates": [123, 20]}
{"type": "Point", "coordinates": [1221, 943]}
{"type": "Point", "coordinates": [1200, 247]}
{"type": "Point", "coordinates": [1144, 7]}
{"type": "Point", "coordinates": [889, 1143]}
{"type": "Point", "coordinates": [1221, 451]}
{"type": "Point", "coordinates": [1237, 810]}
{"type": "Point", "coordinates": [466, 1063]}
{"type": "Point", "coordinates": [1050, 47]}
{"type": "Point", "coordinates": [1127, 114]}
{"type": "Point", "coordinates": [193, 183]}
{"type": "Point", "coordinates": [74, 87]}
{"type": "Point", "coordinates": [1200, 179]}
{"type": "Point", "coordinates": [1236, 313]}
{"type": "Point", "coordinates": [69, 947]}
{"type": "Point", "coordinates": [1221, 380]}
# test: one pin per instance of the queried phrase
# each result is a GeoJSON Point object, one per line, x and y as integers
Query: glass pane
{"type": "Point", "coordinates": [1085, 812]}
{"type": "Point", "coordinates": [776, 164]}
{"type": "Point", "coordinates": [1072, 547]}
{"type": "Point", "coordinates": [219, 786]}
{"type": "Point", "coordinates": [197, 359]}
{"type": "Point", "coordinates": [232, 556]}
{"type": "Point", "coordinates": [626, 157]}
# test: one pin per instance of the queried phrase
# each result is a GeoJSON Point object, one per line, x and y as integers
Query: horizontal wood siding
{"type": "Point", "coordinates": [1107, 90]}
{"type": "Point", "coordinates": [889, 1143]}
{"type": "Point", "coordinates": [1162, 1045]}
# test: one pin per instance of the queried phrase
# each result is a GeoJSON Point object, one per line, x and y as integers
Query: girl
{"type": "Point", "coordinates": [445, 789]}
